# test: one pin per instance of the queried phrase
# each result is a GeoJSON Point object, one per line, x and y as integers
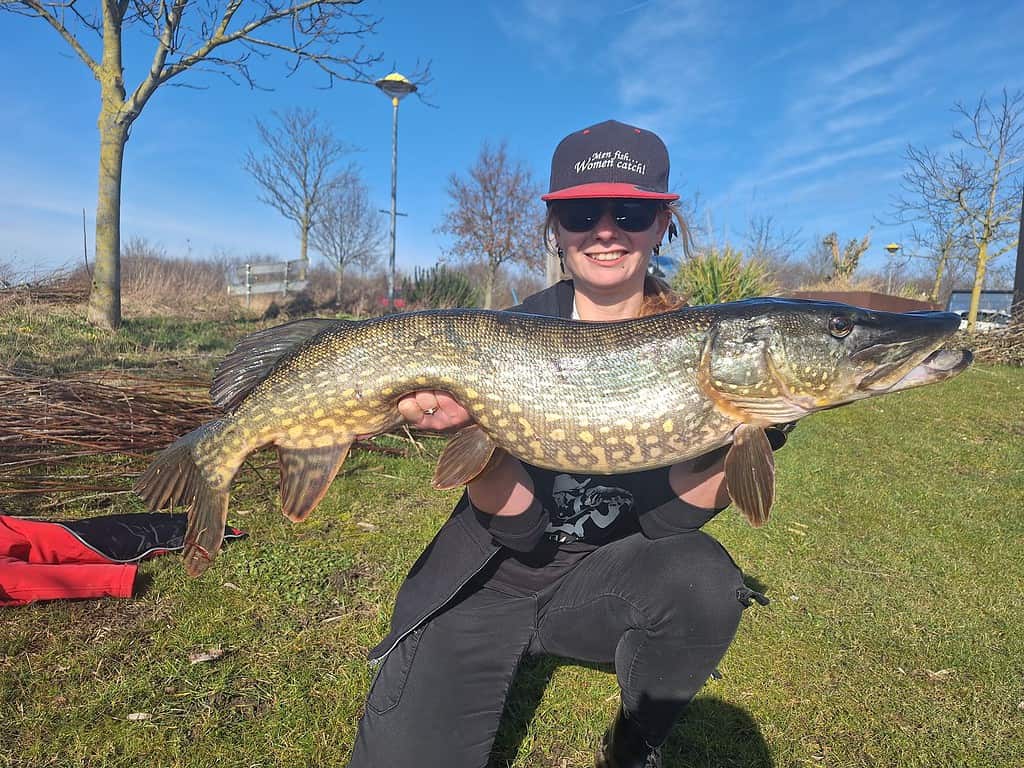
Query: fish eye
{"type": "Point", "coordinates": [840, 326]}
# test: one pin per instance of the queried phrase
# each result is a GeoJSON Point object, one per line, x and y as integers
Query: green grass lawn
{"type": "Point", "coordinates": [894, 560]}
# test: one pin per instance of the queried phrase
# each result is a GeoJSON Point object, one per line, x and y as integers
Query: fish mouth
{"type": "Point", "coordinates": [940, 365]}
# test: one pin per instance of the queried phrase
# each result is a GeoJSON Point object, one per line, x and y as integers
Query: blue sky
{"type": "Point", "coordinates": [799, 111]}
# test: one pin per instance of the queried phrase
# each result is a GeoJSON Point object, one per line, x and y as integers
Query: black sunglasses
{"type": "Point", "coordinates": [629, 215]}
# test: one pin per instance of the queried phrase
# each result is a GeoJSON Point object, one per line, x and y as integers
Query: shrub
{"type": "Point", "coordinates": [721, 275]}
{"type": "Point", "coordinates": [440, 288]}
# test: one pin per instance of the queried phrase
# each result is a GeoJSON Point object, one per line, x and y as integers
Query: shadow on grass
{"type": "Point", "coordinates": [711, 734]}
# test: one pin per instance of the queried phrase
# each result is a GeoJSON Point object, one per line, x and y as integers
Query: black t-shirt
{"type": "Point", "coordinates": [583, 512]}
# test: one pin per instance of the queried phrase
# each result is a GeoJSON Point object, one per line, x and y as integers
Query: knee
{"type": "Point", "coordinates": [694, 587]}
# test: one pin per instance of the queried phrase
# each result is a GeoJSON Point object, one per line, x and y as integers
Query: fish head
{"type": "Point", "coordinates": [776, 360]}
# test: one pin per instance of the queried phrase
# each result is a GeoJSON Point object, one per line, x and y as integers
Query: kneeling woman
{"type": "Point", "coordinates": [607, 569]}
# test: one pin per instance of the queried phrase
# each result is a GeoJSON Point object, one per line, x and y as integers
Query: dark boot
{"type": "Point", "coordinates": [623, 746]}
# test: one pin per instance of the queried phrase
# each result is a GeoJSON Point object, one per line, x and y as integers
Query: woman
{"type": "Point", "coordinates": [607, 569]}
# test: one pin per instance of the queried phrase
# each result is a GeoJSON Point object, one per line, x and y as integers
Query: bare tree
{"type": "Point", "coordinates": [348, 232]}
{"type": "Point", "coordinates": [495, 216]}
{"type": "Point", "coordinates": [766, 241]}
{"type": "Point", "coordinates": [294, 170]}
{"type": "Point", "coordinates": [978, 187]}
{"type": "Point", "coordinates": [217, 35]}
{"type": "Point", "coordinates": [845, 264]}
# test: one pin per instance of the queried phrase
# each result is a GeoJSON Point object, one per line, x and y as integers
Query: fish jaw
{"type": "Point", "coordinates": [940, 365]}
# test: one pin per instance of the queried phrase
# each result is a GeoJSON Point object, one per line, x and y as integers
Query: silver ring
{"type": "Point", "coordinates": [429, 411]}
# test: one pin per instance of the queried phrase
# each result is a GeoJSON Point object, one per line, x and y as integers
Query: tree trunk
{"type": "Point", "coordinates": [489, 286]}
{"type": "Point", "coordinates": [979, 281]}
{"type": "Point", "coordinates": [304, 248]}
{"type": "Point", "coordinates": [337, 287]}
{"type": "Point", "coordinates": [104, 308]}
{"type": "Point", "coordinates": [940, 270]}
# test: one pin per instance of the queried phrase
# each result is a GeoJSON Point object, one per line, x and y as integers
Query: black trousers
{"type": "Point", "coordinates": [664, 611]}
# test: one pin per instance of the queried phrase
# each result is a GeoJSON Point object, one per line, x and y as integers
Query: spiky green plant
{"type": "Point", "coordinates": [440, 288]}
{"type": "Point", "coordinates": [722, 274]}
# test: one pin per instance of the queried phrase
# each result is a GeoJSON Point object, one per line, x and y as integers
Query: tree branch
{"type": "Point", "coordinates": [40, 11]}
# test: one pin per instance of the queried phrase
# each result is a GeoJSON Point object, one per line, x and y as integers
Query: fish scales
{"type": "Point", "coordinates": [565, 395]}
{"type": "Point", "coordinates": [614, 395]}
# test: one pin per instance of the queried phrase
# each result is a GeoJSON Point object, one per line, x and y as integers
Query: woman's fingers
{"type": "Point", "coordinates": [433, 410]}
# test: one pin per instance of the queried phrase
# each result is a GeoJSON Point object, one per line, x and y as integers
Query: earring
{"type": "Point", "coordinates": [561, 260]}
{"type": "Point", "coordinates": [657, 249]}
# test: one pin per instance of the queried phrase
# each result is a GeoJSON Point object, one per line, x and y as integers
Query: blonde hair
{"type": "Point", "coordinates": [658, 295]}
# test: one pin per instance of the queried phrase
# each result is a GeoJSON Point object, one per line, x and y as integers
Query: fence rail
{"type": "Point", "coordinates": [274, 277]}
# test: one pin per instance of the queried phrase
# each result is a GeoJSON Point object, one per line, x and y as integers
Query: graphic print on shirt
{"type": "Point", "coordinates": [586, 510]}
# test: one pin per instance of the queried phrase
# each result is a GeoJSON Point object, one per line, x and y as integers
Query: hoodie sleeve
{"type": "Point", "coordinates": [660, 511]}
{"type": "Point", "coordinates": [522, 532]}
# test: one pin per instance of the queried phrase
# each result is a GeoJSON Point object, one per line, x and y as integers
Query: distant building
{"type": "Point", "coordinates": [867, 299]}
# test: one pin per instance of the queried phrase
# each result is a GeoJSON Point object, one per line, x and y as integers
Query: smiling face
{"type": "Point", "coordinates": [607, 258]}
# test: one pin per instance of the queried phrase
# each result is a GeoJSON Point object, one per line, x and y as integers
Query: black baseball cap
{"type": "Point", "coordinates": [610, 159]}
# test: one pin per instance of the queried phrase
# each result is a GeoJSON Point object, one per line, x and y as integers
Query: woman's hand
{"type": "Point", "coordinates": [433, 410]}
{"type": "Point", "coordinates": [504, 488]}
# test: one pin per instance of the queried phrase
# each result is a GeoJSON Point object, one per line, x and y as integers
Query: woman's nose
{"type": "Point", "coordinates": [606, 226]}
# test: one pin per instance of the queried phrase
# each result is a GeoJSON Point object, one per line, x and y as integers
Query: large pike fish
{"type": "Point", "coordinates": [583, 397]}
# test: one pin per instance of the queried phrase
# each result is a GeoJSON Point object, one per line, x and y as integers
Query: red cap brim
{"type": "Point", "coordinates": [606, 189]}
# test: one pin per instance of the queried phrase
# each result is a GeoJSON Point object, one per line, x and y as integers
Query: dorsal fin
{"type": "Point", "coordinates": [256, 355]}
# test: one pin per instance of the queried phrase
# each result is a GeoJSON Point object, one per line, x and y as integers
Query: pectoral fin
{"type": "Point", "coordinates": [750, 473]}
{"type": "Point", "coordinates": [465, 457]}
{"type": "Point", "coordinates": [306, 474]}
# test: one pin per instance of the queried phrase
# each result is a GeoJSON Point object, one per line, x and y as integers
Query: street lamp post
{"type": "Point", "coordinates": [892, 248]}
{"type": "Point", "coordinates": [396, 87]}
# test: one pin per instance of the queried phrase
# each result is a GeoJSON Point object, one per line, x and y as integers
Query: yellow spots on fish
{"type": "Point", "coordinates": [348, 393]}
{"type": "Point", "coordinates": [652, 439]}
{"type": "Point", "coordinates": [327, 424]}
{"type": "Point", "coordinates": [527, 427]}
{"type": "Point", "coordinates": [482, 419]}
{"type": "Point", "coordinates": [277, 411]}
{"type": "Point", "coordinates": [605, 430]}
{"type": "Point", "coordinates": [557, 434]}
{"type": "Point", "coordinates": [625, 424]}
{"type": "Point", "coordinates": [502, 422]}
{"type": "Point", "coordinates": [537, 448]}
{"type": "Point", "coordinates": [668, 426]}
{"type": "Point", "coordinates": [575, 450]}
{"type": "Point", "coordinates": [618, 455]}
{"type": "Point", "coordinates": [318, 413]}
{"type": "Point", "coordinates": [322, 441]}
{"type": "Point", "coordinates": [654, 451]}
{"type": "Point", "coordinates": [360, 412]}
{"type": "Point", "coordinates": [296, 432]}
{"type": "Point", "coordinates": [421, 380]}
{"type": "Point", "coordinates": [351, 403]}
{"type": "Point", "coordinates": [612, 440]}
{"type": "Point", "coordinates": [471, 394]}
{"type": "Point", "coordinates": [586, 437]}
{"type": "Point", "coordinates": [550, 417]}
{"type": "Point", "coordinates": [600, 459]}
{"type": "Point", "coordinates": [387, 391]}
{"type": "Point", "coordinates": [515, 408]}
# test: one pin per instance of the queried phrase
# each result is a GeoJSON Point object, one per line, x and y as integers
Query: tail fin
{"type": "Point", "coordinates": [173, 479]}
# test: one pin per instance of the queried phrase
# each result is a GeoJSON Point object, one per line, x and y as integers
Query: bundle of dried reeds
{"type": "Point", "coordinates": [47, 424]}
{"type": "Point", "coordinates": [1004, 346]}
{"type": "Point", "coordinates": [57, 287]}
